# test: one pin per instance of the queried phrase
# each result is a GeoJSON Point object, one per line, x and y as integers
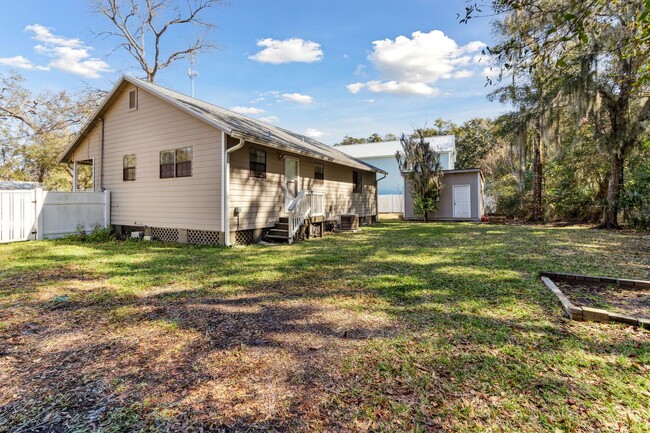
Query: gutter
{"type": "Point", "coordinates": [226, 201]}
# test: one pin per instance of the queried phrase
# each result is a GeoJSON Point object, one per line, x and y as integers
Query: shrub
{"type": "Point", "coordinates": [98, 234]}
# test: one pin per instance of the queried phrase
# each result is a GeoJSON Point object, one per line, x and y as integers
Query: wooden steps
{"type": "Point", "coordinates": [280, 232]}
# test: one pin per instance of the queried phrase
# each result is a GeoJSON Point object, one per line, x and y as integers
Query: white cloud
{"type": "Point", "coordinates": [314, 133]}
{"type": "Point", "coordinates": [269, 119]}
{"type": "Point", "coordinates": [491, 72]}
{"type": "Point", "coordinates": [409, 66]}
{"type": "Point", "coordinates": [359, 70]}
{"type": "Point", "coordinates": [463, 73]}
{"type": "Point", "coordinates": [355, 87]}
{"type": "Point", "coordinates": [475, 46]}
{"type": "Point", "coordinates": [247, 110]}
{"type": "Point", "coordinates": [21, 62]}
{"type": "Point", "coordinates": [43, 34]}
{"type": "Point", "coordinates": [401, 88]}
{"type": "Point", "coordinates": [76, 61]}
{"type": "Point", "coordinates": [288, 50]}
{"type": "Point", "coordinates": [298, 98]}
{"type": "Point", "coordinates": [69, 54]}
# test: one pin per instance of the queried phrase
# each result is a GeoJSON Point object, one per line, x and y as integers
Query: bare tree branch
{"type": "Point", "coordinates": [141, 22]}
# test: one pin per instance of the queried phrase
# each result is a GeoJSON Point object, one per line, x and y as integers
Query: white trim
{"type": "Point", "coordinates": [479, 185]}
{"type": "Point", "coordinates": [224, 201]}
{"type": "Point", "coordinates": [94, 183]}
{"type": "Point", "coordinates": [453, 200]}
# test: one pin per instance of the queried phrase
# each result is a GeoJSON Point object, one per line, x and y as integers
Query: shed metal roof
{"type": "Point", "coordinates": [441, 143]}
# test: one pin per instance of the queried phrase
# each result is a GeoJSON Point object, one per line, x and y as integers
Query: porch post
{"type": "Point", "coordinates": [74, 176]}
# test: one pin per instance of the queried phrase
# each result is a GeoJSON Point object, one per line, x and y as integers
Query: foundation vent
{"type": "Point", "coordinates": [165, 235]}
{"type": "Point", "coordinates": [203, 237]}
{"type": "Point", "coordinates": [243, 237]}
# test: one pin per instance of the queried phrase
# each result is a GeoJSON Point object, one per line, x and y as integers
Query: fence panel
{"type": "Point", "coordinates": [390, 203]}
{"type": "Point", "coordinates": [17, 215]}
{"type": "Point", "coordinates": [38, 214]}
{"type": "Point", "coordinates": [63, 212]}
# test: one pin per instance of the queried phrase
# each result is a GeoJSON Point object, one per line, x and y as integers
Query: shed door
{"type": "Point", "coordinates": [291, 170]}
{"type": "Point", "coordinates": [462, 203]}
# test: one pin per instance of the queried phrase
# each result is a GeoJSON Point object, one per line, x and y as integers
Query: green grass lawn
{"type": "Point", "coordinates": [400, 327]}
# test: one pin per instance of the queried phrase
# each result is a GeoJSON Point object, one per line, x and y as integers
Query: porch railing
{"type": "Point", "coordinates": [304, 205]}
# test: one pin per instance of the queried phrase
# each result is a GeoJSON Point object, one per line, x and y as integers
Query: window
{"type": "Point", "coordinates": [184, 162]}
{"type": "Point", "coordinates": [128, 167]}
{"type": "Point", "coordinates": [258, 164]}
{"type": "Point", "coordinates": [176, 163]}
{"type": "Point", "coordinates": [319, 173]}
{"type": "Point", "coordinates": [166, 164]}
{"type": "Point", "coordinates": [357, 177]}
{"type": "Point", "coordinates": [133, 100]}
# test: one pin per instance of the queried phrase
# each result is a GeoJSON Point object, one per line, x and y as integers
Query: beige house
{"type": "Point", "coordinates": [189, 171]}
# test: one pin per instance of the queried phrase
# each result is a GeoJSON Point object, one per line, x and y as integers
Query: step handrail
{"type": "Point", "coordinates": [299, 210]}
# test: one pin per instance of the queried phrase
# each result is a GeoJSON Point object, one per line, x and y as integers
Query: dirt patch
{"type": "Point", "coordinates": [185, 363]}
{"type": "Point", "coordinates": [630, 301]}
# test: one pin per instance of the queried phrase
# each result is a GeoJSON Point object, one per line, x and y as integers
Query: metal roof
{"type": "Point", "coordinates": [236, 124]}
{"type": "Point", "coordinates": [441, 143]}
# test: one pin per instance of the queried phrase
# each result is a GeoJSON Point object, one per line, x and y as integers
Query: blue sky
{"type": "Point", "coordinates": [323, 68]}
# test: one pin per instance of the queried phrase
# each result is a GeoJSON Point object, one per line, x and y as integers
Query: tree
{"type": "Point", "coordinates": [139, 24]}
{"type": "Point", "coordinates": [374, 138]}
{"type": "Point", "coordinates": [421, 165]}
{"type": "Point", "coordinates": [474, 141]}
{"type": "Point", "coordinates": [440, 127]}
{"type": "Point", "coordinates": [347, 140]}
{"type": "Point", "coordinates": [36, 128]}
{"type": "Point", "coordinates": [390, 137]}
{"type": "Point", "coordinates": [596, 52]}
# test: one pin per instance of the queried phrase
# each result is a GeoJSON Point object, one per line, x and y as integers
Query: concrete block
{"type": "Point", "coordinates": [622, 318]}
{"type": "Point", "coordinates": [148, 231]}
{"type": "Point", "coordinates": [607, 280]}
{"type": "Point", "coordinates": [182, 236]}
{"type": "Point", "coordinates": [595, 315]}
{"type": "Point", "coordinates": [147, 238]}
{"type": "Point", "coordinates": [137, 235]}
{"type": "Point", "coordinates": [625, 283]}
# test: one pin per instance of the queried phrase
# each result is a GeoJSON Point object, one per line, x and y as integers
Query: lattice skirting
{"type": "Point", "coordinates": [203, 237]}
{"type": "Point", "coordinates": [165, 235]}
{"type": "Point", "coordinates": [243, 237]}
{"type": "Point", "coordinates": [366, 220]}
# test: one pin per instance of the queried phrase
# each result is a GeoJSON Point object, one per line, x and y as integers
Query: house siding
{"type": "Point", "coordinates": [262, 201]}
{"type": "Point", "coordinates": [189, 202]}
{"type": "Point", "coordinates": [446, 205]}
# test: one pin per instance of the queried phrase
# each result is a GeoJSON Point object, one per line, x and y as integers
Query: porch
{"type": "Point", "coordinates": [303, 211]}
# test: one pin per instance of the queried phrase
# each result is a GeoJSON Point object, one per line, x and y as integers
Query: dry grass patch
{"type": "Point", "coordinates": [400, 327]}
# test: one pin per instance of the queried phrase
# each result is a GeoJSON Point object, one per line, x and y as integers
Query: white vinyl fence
{"type": "Point", "coordinates": [390, 203]}
{"type": "Point", "coordinates": [37, 214]}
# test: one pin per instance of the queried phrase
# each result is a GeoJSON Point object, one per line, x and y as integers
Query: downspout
{"type": "Point", "coordinates": [377, 195]}
{"type": "Point", "coordinates": [226, 203]}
